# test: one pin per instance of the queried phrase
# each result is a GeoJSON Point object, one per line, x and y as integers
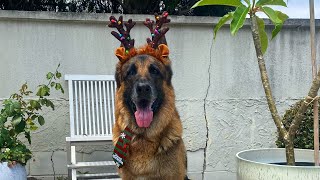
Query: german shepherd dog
{"type": "Point", "coordinates": [145, 104]}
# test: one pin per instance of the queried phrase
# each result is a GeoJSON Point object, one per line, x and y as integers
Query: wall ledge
{"type": "Point", "coordinates": [102, 18]}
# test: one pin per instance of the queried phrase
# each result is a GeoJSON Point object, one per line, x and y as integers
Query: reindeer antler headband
{"type": "Point", "coordinates": [156, 46]}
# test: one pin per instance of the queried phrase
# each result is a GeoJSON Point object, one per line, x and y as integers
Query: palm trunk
{"type": "Point", "coordinates": [267, 89]}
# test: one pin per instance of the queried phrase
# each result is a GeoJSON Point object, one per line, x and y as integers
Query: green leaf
{"type": "Point", "coordinates": [27, 135]}
{"type": "Point", "coordinates": [16, 120]}
{"type": "Point", "coordinates": [283, 17]}
{"type": "Point", "coordinates": [62, 90]}
{"type": "Point", "coordinates": [221, 22]}
{"type": "Point", "coordinates": [52, 84]}
{"type": "Point", "coordinates": [9, 107]}
{"type": "Point", "coordinates": [33, 117]}
{"type": "Point", "coordinates": [11, 132]}
{"type": "Point", "coordinates": [41, 120]}
{"type": "Point", "coordinates": [20, 127]}
{"type": "Point", "coordinates": [43, 91]}
{"type": "Point", "coordinates": [16, 105]}
{"type": "Point", "coordinates": [49, 104]}
{"type": "Point", "coordinates": [58, 75]}
{"type": "Point", "coordinates": [263, 35]}
{"type": "Point", "coordinates": [234, 3]}
{"type": "Point", "coordinates": [271, 2]}
{"type": "Point", "coordinates": [271, 14]}
{"type": "Point", "coordinates": [2, 120]}
{"type": "Point", "coordinates": [49, 75]}
{"type": "Point", "coordinates": [58, 86]}
{"type": "Point", "coordinates": [33, 127]}
{"type": "Point", "coordinates": [239, 17]}
{"type": "Point", "coordinates": [35, 104]}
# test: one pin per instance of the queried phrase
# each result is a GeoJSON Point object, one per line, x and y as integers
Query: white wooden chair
{"type": "Point", "coordinates": [91, 103]}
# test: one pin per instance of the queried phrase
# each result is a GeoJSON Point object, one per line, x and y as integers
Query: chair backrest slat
{"type": "Point", "coordinates": [89, 107]}
{"type": "Point", "coordinates": [85, 108]}
{"type": "Point", "coordinates": [71, 106]}
{"type": "Point", "coordinates": [75, 85]}
{"type": "Point", "coordinates": [91, 104]}
{"type": "Point", "coordinates": [109, 106]}
{"type": "Point", "coordinates": [97, 108]}
{"type": "Point", "coordinates": [105, 106]}
{"type": "Point", "coordinates": [100, 108]}
{"type": "Point", "coordinates": [80, 106]}
{"type": "Point", "coordinates": [112, 99]}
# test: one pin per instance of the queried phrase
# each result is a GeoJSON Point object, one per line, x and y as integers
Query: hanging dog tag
{"type": "Point", "coordinates": [122, 147]}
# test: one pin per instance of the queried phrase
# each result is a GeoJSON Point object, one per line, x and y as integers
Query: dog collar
{"type": "Point", "coordinates": [122, 147]}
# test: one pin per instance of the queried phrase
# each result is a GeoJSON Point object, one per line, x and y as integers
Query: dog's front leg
{"type": "Point", "coordinates": [166, 143]}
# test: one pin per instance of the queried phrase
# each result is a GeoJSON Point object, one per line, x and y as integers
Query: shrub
{"type": "Point", "coordinates": [304, 136]}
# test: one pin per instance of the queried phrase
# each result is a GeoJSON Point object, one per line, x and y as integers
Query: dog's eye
{"type": "Point", "coordinates": [132, 71]}
{"type": "Point", "coordinates": [153, 70]}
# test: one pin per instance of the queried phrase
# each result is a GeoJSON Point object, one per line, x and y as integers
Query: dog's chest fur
{"type": "Point", "coordinates": [141, 156]}
{"type": "Point", "coordinates": [144, 159]}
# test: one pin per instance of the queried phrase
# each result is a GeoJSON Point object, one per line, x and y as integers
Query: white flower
{"type": "Point", "coordinates": [7, 150]}
{"type": "Point", "coordinates": [123, 135]}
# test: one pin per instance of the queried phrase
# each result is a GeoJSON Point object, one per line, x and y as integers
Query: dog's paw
{"type": "Point", "coordinates": [165, 144]}
{"type": "Point", "coordinates": [161, 149]}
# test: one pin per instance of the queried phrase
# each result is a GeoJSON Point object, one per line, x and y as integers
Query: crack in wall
{"type": "Point", "coordinates": [52, 164]}
{"type": "Point", "coordinates": [205, 113]}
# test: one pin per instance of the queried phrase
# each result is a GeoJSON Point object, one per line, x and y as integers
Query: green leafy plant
{"type": "Point", "coordinates": [304, 135]}
{"type": "Point", "coordinates": [260, 40]}
{"type": "Point", "coordinates": [20, 116]}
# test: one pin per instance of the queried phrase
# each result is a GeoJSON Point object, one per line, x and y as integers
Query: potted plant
{"type": "Point", "coordinates": [259, 164]}
{"type": "Point", "coordinates": [19, 116]}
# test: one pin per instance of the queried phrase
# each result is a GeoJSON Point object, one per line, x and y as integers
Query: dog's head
{"type": "Point", "coordinates": [144, 78]}
{"type": "Point", "coordinates": [144, 74]}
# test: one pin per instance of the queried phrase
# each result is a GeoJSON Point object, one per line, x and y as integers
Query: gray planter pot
{"type": "Point", "coordinates": [255, 165]}
{"type": "Point", "coordinates": [18, 172]}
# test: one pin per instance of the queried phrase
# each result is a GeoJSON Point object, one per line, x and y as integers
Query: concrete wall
{"type": "Point", "coordinates": [218, 90]}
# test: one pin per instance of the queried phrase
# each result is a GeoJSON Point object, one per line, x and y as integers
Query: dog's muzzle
{"type": "Point", "coordinates": [143, 99]}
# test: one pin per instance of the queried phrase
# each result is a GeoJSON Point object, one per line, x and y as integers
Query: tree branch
{"type": "Point", "coordinates": [307, 100]}
{"type": "Point", "coordinates": [264, 78]}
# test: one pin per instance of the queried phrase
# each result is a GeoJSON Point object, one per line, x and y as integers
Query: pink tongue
{"type": "Point", "coordinates": [143, 117]}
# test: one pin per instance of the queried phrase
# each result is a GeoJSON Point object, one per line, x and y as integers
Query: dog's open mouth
{"type": "Point", "coordinates": [143, 112]}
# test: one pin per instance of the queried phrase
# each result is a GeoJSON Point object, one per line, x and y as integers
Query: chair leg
{"type": "Point", "coordinates": [74, 174]}
{"type": "Point", "coordinates": [69, 159]}
{"type": "Point", "coordinates": [73, 155]}
{"type": "Point", "coordinates": [73, 161]}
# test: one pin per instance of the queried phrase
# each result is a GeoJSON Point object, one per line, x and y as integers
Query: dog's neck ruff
{"type": "Point", "coordinates": [122, 147]}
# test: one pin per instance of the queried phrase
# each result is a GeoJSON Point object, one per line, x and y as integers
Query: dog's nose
{"type": "Point", "coordinates": [143, 89]}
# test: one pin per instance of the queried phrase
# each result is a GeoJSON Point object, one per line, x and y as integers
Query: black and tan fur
{"type": "Point", "coordinates": [156, 152]}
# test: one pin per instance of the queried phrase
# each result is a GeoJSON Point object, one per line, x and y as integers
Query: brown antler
{"type": "Point", "coordinates": [123, 36]}
{"type": "Point", "coordinates": [157, 34]}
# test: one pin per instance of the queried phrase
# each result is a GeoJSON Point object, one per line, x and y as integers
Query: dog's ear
{"type": "Point", "coordinates": [121, 53]}
{"type": "Point", "coordinates": [118, 75]}
{"type": "Point", "coordinates": [163, 50]}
